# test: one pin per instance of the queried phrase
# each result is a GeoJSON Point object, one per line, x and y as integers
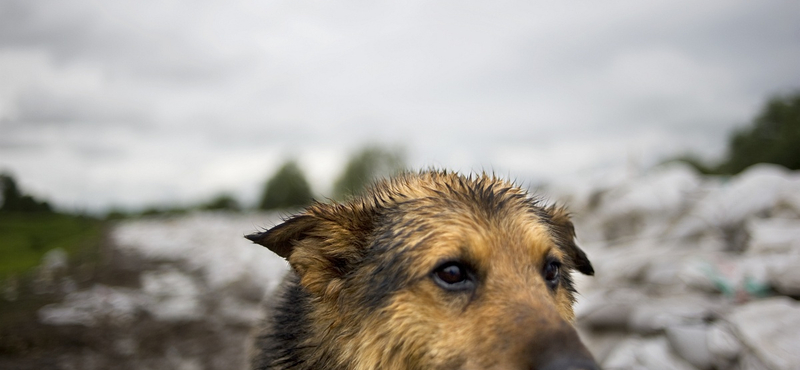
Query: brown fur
{"type": "Point", "coordinates": [362, 293]}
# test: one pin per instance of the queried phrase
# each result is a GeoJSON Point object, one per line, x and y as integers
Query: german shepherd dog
{"type": "Point", "coordinates": [429, 270]}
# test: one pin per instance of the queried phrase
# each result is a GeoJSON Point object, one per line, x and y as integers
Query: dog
{"type": "Point", "coordinates": [429, 270]}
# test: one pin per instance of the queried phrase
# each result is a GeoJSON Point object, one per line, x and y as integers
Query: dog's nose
{"type": "Point", "coordinates": [570, 363]}
{"type": "Point", "coordinates": [558, 347]}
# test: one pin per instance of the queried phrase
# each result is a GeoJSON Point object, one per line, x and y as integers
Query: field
{"type": "Point", "coordinates": [26, 237]}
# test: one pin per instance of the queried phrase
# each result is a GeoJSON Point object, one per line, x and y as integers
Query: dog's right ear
{"type": "Point", "coordinates": [282, 239]}
{"type": "Point", "coordinates": [323, 244]}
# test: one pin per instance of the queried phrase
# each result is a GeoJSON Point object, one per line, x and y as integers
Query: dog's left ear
{"type": "Point", "coordinates": [565, 232]}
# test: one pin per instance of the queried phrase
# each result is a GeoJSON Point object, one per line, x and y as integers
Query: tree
{"type": "Point", "coordinates": [15, 201]}
{"type": "Point", "coordinates": [288, 188]}
{"type": "Point", "coordinates": [222, 202]}
{"type": "Point", "coordinates": [773, 137]}
{"type": "Point", "coordinates": [364, 167]}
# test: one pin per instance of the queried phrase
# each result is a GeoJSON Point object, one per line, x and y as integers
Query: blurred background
{"type": "Point", "coordinates": [139, 140]}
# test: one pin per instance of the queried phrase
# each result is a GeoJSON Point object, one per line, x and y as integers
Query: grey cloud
{"type": "Point", "coordinates": [47, 107]}
{"type": "Point", "coordinates": [456, 82]}
{"type": "Point", "coordinates": [10, 144]}
{"type": "Point", "coordinates": [114, 36]}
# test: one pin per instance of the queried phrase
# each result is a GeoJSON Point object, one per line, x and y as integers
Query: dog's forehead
{"type": "Point", "coordinates": [465, 233]}
{"type": "Point", "coordinates": [447, 193]}
{"type": "Point", "coordinates": [482, 221]}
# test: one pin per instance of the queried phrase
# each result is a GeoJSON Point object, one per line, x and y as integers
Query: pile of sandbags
{"type": "Point", "coordinates": [692, 272]}
{"type": "Point", "coordinates": [192, 300]}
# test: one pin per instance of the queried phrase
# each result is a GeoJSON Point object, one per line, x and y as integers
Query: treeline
{"type": "Point", "coordinates": [773, 136]}
{"type": "Point", "coordinates": [14, 200]}
{"type": "Point", "coordinates": [288, 187]}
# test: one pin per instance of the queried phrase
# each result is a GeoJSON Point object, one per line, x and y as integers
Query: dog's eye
{"type": "Point", "coordinates": [551, 272]}
{"type": "Point", "coordinates": [452, 276]}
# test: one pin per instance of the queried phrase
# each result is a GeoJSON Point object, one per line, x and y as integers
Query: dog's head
{"type": "Point", "coordinates": [437, 270]}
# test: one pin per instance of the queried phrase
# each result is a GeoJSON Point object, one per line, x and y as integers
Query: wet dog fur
{"type": "Point", "coordinates": [429, 270]}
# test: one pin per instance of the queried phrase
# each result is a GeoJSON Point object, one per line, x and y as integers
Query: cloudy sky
{"type": "Point", "coordinates": [135, 102]}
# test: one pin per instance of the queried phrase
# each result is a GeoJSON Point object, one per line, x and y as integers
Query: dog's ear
{"type": "Point", "coordinates": [282, 238]}
{"type": "Point", "coordinates": [323, 244]}
{"type": "Point", "coordinates": [565, 232]}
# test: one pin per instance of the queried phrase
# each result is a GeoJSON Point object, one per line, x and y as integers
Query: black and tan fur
{"type": "Point", "coordinates": [370, 280]}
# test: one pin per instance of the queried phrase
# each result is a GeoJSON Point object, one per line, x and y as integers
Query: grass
{"type": "Point", "coordinates": [26, 237]}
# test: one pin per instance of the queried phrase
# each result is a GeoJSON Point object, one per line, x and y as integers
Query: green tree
{"type": "Point", "coordinates": [222, 202]}
{"type": "Point", "coordinates": [15, 201]}
{"type": "Point", "coordinates": [366, 166]}
{"type": "Point", "coordinates": [773, 137]}
{"type": "Point", "coordinates": [288, 188]}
